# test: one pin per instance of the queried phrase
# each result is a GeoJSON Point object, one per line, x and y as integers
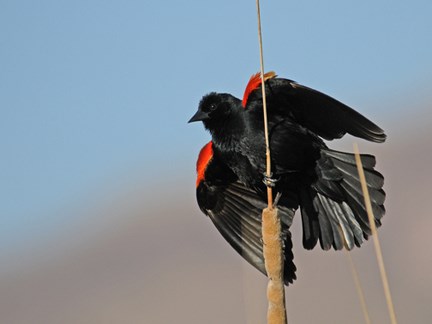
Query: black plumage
{"type": "Point", "coordinates": [321, 182]}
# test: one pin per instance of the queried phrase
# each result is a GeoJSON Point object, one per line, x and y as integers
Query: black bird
{"type": "Point", "coordinates": [308, 175]}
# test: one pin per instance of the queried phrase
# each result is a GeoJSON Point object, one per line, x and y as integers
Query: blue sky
{"type": "Point", "coordinates": [93, 93]}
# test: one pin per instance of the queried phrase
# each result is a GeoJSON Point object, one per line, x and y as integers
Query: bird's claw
{"type": "Point", "coordinates": [269, 181]}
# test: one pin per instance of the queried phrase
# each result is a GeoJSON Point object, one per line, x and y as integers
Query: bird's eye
{"type": "Point", "coordinates": [212, 107]}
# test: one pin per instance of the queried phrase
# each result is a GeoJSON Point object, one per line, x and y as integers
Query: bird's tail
{"type": "Point", "coordinates": [333, 208]}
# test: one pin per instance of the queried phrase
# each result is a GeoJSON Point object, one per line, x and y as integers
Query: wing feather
{"type": "Point", "coordinates": [314, 110]}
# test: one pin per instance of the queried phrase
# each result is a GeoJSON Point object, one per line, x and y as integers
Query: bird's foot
{"type": "Point", "coordinates": [269, 181]}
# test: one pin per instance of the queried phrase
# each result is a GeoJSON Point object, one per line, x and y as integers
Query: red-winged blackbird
{"type": "Point", "coordinates": [324, 183]}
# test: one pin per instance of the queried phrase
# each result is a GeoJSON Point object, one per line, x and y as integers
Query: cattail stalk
{"type": "Point", "coordinates": [271, 226]}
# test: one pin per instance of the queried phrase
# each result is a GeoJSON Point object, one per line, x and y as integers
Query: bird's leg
{"type": "Point", "coordinates": [269, 181]}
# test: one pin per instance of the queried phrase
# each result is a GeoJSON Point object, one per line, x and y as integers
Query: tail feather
{"type": "Point", "coordinates": [336, 202]}
{"type": "Point", "coordinates": [352, 185]}
{"type": "Point", "coordinates": [344, 234]}
{"type": "Point", "coordinates": [373, 178]}
{"type": "Point", "coordinates": [358, 197]}
{"type": "Point", "coordinates": [327, 237]}
{"type": "Point", "coordinates": [340, 227]}
{"type": "Point", "coordinates": [310, 224]}
{"type": "Point", "coordinates": [368, 160]}
{"type": "Point", "coordinates": [354, 225]}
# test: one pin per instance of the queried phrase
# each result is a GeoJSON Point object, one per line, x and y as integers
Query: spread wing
{"type": "Point", "coordinates": [316, 111]}
{"type": "Point", "coordinates": [236, 211]}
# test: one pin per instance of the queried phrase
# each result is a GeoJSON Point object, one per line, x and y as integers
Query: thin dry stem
{"type": "Point", "coordinates": [377, 245]}
{"type": "Point", "coordinates": [359, 288]}
{"type": "Point", "coordinates": [267, 143]}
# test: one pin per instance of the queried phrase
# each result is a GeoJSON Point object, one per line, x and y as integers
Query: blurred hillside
{"type": "Point", "coordinates": [147, 255]}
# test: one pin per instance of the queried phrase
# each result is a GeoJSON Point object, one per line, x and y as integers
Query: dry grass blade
{"type": "Point", "coordinates": [377, 245]}
{"type": "Point", "coordinates": [267, 144]}
{"type": "Point", "coordinates": [359, 289]}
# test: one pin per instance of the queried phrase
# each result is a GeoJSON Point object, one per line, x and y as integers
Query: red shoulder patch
{"type": "Point", "coordinates": [254, 83]}
{"type": "Point", "coordinates": [204, 158]}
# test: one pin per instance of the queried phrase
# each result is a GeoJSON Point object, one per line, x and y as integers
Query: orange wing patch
{"type": "Point", "coordinates": [204, 158]}
{"type": "Point", "coordinates": [254, 83]}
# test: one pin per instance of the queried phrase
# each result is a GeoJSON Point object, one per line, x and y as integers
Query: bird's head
{"type": "Point", "coordinates": [215, 109]}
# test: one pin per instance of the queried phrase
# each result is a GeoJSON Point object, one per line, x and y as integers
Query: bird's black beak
{"type": "Point", "coordinates": [200, 115]}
